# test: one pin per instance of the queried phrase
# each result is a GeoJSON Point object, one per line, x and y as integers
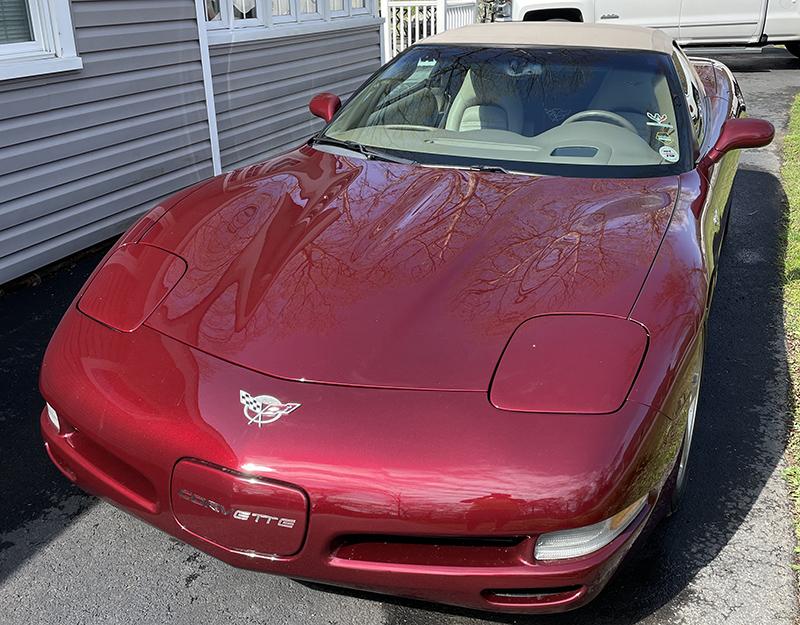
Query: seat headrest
{"type": "Point", "coordinates": [483, 117]}
{"type": "Point", "coordinates": [490, 91]}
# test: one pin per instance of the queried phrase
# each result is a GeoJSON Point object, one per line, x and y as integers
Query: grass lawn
{"type": "Point", "coordinates": [791, 297]}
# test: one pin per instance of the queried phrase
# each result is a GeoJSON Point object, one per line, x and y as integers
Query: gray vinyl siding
{"type": "Point", "coordinates": [262, 88]}
{"type": "Point", "coordinates": [83, 154]}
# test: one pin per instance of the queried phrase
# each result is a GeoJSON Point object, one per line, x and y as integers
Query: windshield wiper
{"type": "Point", "coordinates": [490, 168]}
{"type": "Point", "coordinates": [367, 151]}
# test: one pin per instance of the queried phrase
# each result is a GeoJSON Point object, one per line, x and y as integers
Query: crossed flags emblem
{"type": "Point", "coordinates": [264, 409]}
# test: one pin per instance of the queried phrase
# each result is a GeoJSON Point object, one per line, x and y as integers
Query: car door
{"type": "Point", "coordinates": [664, 15]}
{"type": "Point", "coordinates": [697, 105]}
{"type": "Point", "coordinates": [728, 21]}
{"type": "Point", "coordinates": [708, 115]}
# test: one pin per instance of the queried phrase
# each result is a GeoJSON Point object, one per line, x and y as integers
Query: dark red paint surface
{"type": "Point", "coordinates": [740, 134]}
{"type": "Point", "coordinates": [373, 462]}
{"type": "Point", "coordinates": [120, 282]}
{"type": "Point", "coordinates": [381, 298]}
{"type": "Point", "coordinates": [357, 272]}
{"type": "Point", "coordinates": [238, 512]}
{"type": "Point", "coordinates": [325, 105]}
{"type": "Point", "coordinates": [604, 357]}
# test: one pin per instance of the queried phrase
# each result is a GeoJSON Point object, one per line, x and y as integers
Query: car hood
{"type": "Point", "coordinates": [323, 268]}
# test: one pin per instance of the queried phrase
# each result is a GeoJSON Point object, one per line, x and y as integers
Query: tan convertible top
{"type": "Point", "coordinates": [562, 34]}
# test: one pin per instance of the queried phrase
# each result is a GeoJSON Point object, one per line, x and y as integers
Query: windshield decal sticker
{"type": "Point", "coordinates": [669, 154]}
{"type": "Point", "coordinates": [658, 120]}
{"type": "Point", "coordinates": [664, 137]}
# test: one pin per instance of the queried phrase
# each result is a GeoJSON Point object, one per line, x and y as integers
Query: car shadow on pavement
{"type": "Point", "coordinates": [741, 435]}
{"type": "Point", "coordinates": [37, 501]}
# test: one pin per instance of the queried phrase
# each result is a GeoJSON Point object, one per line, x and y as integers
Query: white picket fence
{"type": "Point", "coordinates": [407, 21]}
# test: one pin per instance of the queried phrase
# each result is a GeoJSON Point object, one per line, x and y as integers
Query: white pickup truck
{"type": "Point", "coordinates": [691, 22]}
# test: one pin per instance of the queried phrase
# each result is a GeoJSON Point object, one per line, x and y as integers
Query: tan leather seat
{"type": "Point", "coordinates": [486, 101]}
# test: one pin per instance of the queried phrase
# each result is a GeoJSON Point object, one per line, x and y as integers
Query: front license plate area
{"type": "Point", "coordinates": [238, 512]}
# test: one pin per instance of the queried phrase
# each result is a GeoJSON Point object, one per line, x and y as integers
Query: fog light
{"type": "Point", "coordinates": [585, 540]}
{"type": "Point", "coordinates": [53, 416]}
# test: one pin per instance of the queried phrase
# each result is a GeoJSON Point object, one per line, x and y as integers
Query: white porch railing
{"type": "Point", "coordinates": [461, 13]}
{"type": "Point", "coordinates": [408, 21]}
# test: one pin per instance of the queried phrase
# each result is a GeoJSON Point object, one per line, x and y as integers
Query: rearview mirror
{"type": "Point", "coordinates": [324, 105]}
{"type": "Point", "coordinates": [740, 134]}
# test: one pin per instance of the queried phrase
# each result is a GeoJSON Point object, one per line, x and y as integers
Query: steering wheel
{"type": "Point", "coordinates": [604, 116]}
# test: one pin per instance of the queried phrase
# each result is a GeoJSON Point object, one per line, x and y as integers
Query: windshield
{"type": "Point", "coordinates": [567, 111]}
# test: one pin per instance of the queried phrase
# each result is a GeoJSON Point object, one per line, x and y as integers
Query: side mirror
{"type": "Point", "coordinates": [740, 134]}
{"type": "Point", "coordinates": [324, 105]}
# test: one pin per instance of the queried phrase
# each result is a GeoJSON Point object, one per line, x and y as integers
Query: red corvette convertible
{"type": "Point", "coordinates": [449, 349]}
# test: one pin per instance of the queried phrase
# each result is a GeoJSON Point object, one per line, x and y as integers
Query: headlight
{"type": "Point", "coordinates": [569, 364]}
{"type": "Point", "coordinates": [585, 540]}
{"type": "Point", "coordinates": [131, 284]}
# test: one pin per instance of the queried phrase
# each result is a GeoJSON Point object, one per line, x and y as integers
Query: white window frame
{"type": "Point", "coordinates": [227, 20]}
{"type": "Point", "coordinates": [345, 12]}
{"type": "Point", "coordinates": [291, 18]}
{"type": "Point", "coordinates": [53, 46]}
{"type": "Point", "coordinates": [269, 26]}
{"type": "Point", "coordinates": [319, 14]}
{"type": "Point", "coordinates": [349, 10]}
{"type": "Point", "coordinates": [365, 10]}
{"type": "Point", "coordinates": [224, 20]}
{"type": "Point", "coordinates": [258, 20]}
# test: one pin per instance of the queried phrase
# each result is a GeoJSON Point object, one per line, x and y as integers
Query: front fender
{"type": "Point", "coordinates": [673, 301]}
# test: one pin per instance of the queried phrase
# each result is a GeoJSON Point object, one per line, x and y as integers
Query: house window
{"type": "Point", "coordinates": [36, 37]}
{"type": "Point", "coordinates": [308, 7]}
{"type": "Point", "coordinates": [283, 11]}
{"type": "Point", "coordinates": [15, 22]}
{"type": "Point", "coordinates": [281, 8]}
{"type": "Point", "coordinates": [253, 16]}
{"type": "Point", "coordinates": [340, 8]}
{"type": "Point", "coordinates": [213, 11]}
{"type": "Point", "coordinates": [244, 10]}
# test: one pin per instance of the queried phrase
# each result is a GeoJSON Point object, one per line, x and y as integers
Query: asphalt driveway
{"type": "Point", "coordinates": [66, 558]}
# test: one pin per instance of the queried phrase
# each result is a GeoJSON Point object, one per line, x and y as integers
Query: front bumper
{"type": "Point", "coordinates": [403, 498]}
